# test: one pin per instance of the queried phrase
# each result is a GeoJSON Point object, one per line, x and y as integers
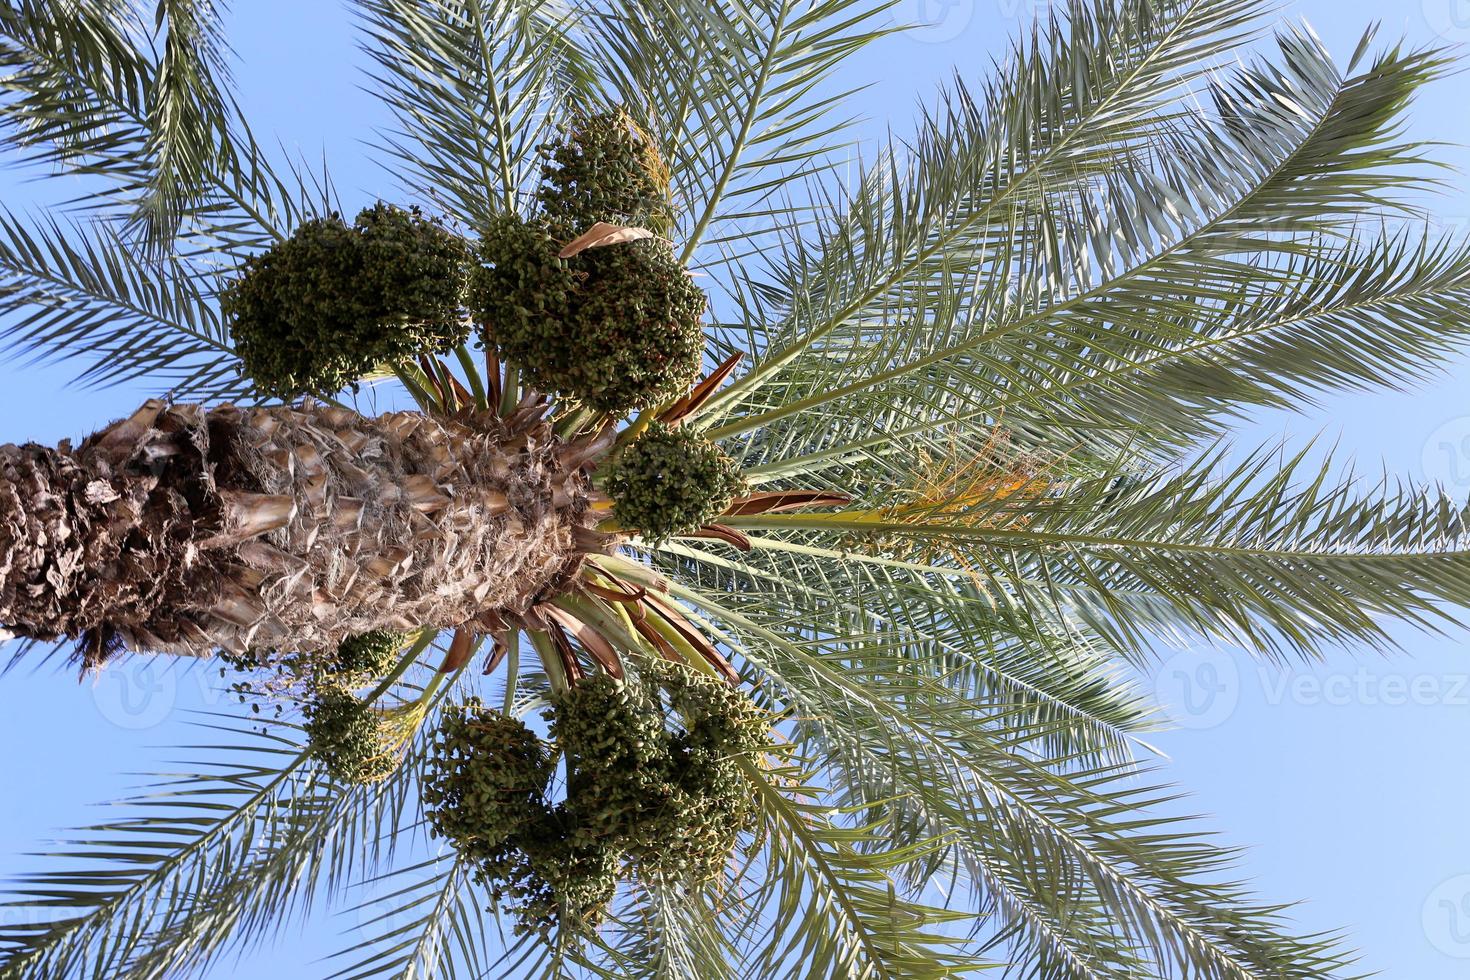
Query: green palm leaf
{"type": "Point", "coordinates": [429, 927]}
{"type": "Point", "coordinates": [1273, 553]}
{"type": "Point", "coordinates": [1117, 278]}
{"type": "Point", "coordinates": [215, 855]}
{"type": "Point", "coordinates": [938, 624]}
{"type": "Point", "coordinates": [726, 88]}
{"type": "Point", "coordinates": [475, 87]}
{"type": "Point", "coordinates": [981, 162]}
{"type": "Point", "coordinates": [189, 117]}
{"type": "Point", "coordinates": [1087, 882]}
{"type": "Point", "coordinates": [1003, 348]}
{"type": "Point", "coordinates": [85, 291]}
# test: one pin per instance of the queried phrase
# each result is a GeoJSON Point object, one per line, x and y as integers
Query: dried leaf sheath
{"type": "Point", "coordinates": [183, 529]}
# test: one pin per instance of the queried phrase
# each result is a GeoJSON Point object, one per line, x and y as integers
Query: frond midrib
{"type": "Point", "coordinates": [923, 255]}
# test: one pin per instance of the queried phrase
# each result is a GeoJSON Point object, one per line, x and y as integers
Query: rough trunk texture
{"type": "Point", "coordinates": [188, 530]}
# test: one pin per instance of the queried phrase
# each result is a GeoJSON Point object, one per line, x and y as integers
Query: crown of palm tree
{"type": "Point", "coordinates": [974, 400]}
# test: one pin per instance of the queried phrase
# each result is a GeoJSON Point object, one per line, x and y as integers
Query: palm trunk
{"type": "Point", "coordinates": [188, 530]}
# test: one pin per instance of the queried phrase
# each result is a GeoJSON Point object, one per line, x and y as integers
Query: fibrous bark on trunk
{"type": "Point", "coordinates": [188, 530]}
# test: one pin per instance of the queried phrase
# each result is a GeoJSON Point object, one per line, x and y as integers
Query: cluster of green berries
{"type": "Point", "coordinates": [347, 736]}
{"type": "Point", "coordinates": [484, 790]}
{"type": "Point", "coordinates": [670, 801]}
{"type": "Point", "coordinates": [321, 309]}
{"type": "Point", "coordinates": [673, 800]}
{"type": "Point", "coordinates": [344, 732]}
{"type": "Point", "coordinates": [487, 779]}
{"type": "Point", "coordinates": [670, 481]}
{"type": "Point", "coordinates": [367, 655]}
{"type": "Point", "coordinates": [616, 327]}
{"type": "Point", "coordinates": [605, 168]}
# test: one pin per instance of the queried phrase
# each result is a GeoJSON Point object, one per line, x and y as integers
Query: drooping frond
{"type": "Point", "coordinates": [1270, 552]}
{"type": "Point", "coordinates": [186, 838]}
{"type": "Point", "coordinates": [677, 935]}
{"type": "Point", "coordinates": [190, 115]}
{"type": "Point", "coordinates": [829, 908]}
{"type": "Point", "coordinates": [665, 931]}
{"type": "Point", "coordinates": [475, 86]}
{"type": "Point", "coordinates": [426, 922]}
{"type": "Point", "coordinates": [98, 90]}
{"type": "Point", "coordinates": [83, 291]}
{"type": "Point", "coordinates": [729, 91]}
{"type": "Point", "coordinates": [935, 623]}
{"type": "Point", "coordinates": [75, 86]}
{"type": "Point", "coordinates": [176, 190]}
{"type": "Point", "coordinates": [1085, 880]}
{"type": "Point", "coordinates": [213, 857]}
{"type": "Point", "coordinates": [972, 314]}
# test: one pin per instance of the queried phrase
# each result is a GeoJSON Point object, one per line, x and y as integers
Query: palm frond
{"type": "Point", "coordinates": [688, 940]}
{"type": "Point", "coordinates": [427, 924]}
{"type": "Point", "coordinates": [668, 932]}
{"type": "Point", "coordinates": [75, 86]}
{"type": "Point", "coordinates": [475, 85]}
{"type": "Point", "coordinates": [1085, 881]}
{"type": "Point", "coordinates": [830, 907]}
{"type": "Point", "coordinates": [935, 623]}
{"type": "Point", "coordinates": [185, 837]}
{"type": "Point", "coordinates": [1151, 260]}
{"type": "Point", "coordinates": [189, 117]}
{"type": "Point", "coordinates": [1336, 319]}
{"type": "Point", "coordinates": [171, 158]}
{"type": "Point", "coordinates": [1270, 552]}
{"type": "Point", "coordinates": [215, 856]}
{"type": "Point", "coordinates": [80, 291]}
{"type": "Point", "coordinates": [86, 97]}
{"type": "Point", "coordinates": [729, 89]}
{"type": "Point", "coordinates": [1075, 102]}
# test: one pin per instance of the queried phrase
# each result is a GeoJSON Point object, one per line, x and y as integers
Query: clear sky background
{"type": "Point", "coordinates": [1348, 782]}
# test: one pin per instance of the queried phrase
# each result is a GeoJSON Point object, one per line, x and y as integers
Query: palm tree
{"type": "Point", "coordinates": [948, 466]}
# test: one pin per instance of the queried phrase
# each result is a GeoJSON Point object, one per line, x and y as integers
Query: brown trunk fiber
{"type": "Point", "coordinates": [188, 530]}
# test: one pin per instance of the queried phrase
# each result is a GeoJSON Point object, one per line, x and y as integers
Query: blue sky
{"type": "Point", "coordinates": [1347, 781]}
